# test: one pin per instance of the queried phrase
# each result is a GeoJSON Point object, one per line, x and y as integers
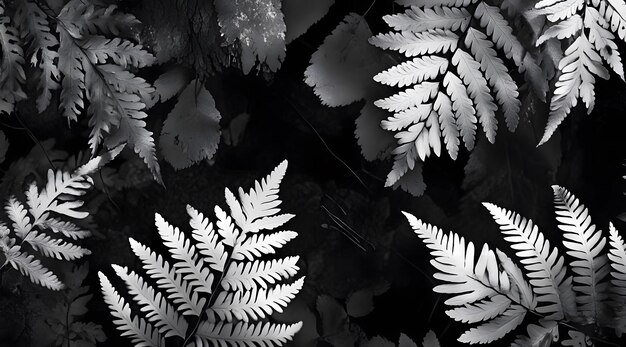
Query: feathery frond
{"type": "Point", "coordinates": [217, 275]}
{"type": "Point", "coordinates": [593, 24]}
{"type": "Point", "coordinates": [40, 225]}
{"type": "Point", "coordinates": [496, 294]}
{"type": "Point", "coordinates": [475, 36]}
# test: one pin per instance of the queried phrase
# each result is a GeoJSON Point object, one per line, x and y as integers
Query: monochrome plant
{"type": "Point", "coordinates": [455, 67]}
{"type": "Point", "coordinates": [588, 29]}
{"type": "Point", "coordinates": [495, 295]}
{"type": "Point", "coordinates": [45, 222]}
{"type": "Point", "coordinates": [219, 289]}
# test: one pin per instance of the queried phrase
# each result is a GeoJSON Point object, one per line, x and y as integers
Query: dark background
{"type": "Point", "coordinates": [288, 122]}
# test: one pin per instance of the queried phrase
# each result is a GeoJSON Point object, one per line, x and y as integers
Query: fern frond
{"type": "Point", "coordinates": [141, 333]}
{"type": "Point", "coordinates": [454, 259]}
{"type": "Point", "coordinates": [617, 259]}
{"type": "Point", "coordinates": [186, 304]}
{"type": "Point", "coordinates": [585, 244]}
{"type": "Point", "coordinates": [579, 64]}
{"type": "Point", "coordinates": [244, 334]}
{"type": "Point", "coordinates": [545, 267]}
{"type": "Point", "coordinates": [116, 97]}
{"type": "Point", "coordinates": [41, 224]}
{"type": "Point", "coordinates": [594, 25]}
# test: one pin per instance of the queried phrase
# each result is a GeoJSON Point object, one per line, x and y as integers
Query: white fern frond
{"type": "Point", "coordinates": [454, 259]}
{"type": "Point", "coordinates": [545, 267]}
{"type": "Point", "coordinates": [41, 225]}
{"type": "Point", "coordinates": [188, 303]}
{"type": "Point", "coordinates": [579, 64]}
{"type": "Point", "coordinates": [585, 244]}
{"type": "Point", "coordinates": [594, 25]}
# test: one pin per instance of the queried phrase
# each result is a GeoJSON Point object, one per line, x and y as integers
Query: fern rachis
{"type": "Point", "coordinates": [594, 25]}
{"type": "Point", "coordinates": [39, 223]}
{"type": "Point", "coordinates": [455, 93]}
{"type": "Point", "coordinates": [218, 274]}
{"type": "Point", "coordinates": [544, 288]}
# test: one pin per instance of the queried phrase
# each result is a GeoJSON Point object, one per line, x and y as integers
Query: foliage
{"type": "Point", "coordinates": [45, 222]}
{"type": "Point", "coordinates": [588, 29]}
{"type": "Point", "coordinates": [221, 276]}
{"type": "Point", "coordinates": [493, 292]}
